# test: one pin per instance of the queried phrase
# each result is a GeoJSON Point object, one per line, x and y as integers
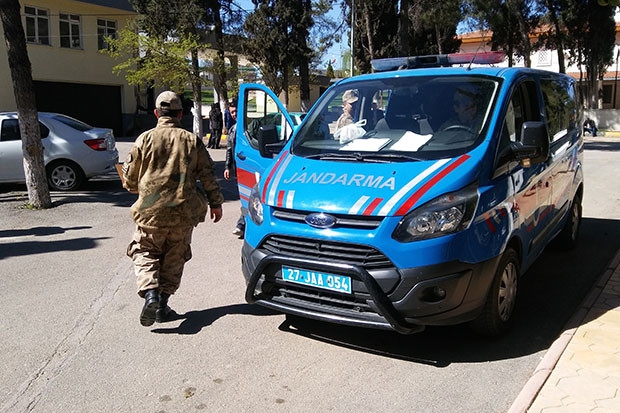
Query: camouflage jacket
{"type": "Point", "coordinates": [163, 166]}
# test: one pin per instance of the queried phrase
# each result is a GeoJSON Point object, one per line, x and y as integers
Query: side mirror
{"type": "Point", "coordinates": [268, 142]}
{"type": "Point", "coordinates": [533, 147]}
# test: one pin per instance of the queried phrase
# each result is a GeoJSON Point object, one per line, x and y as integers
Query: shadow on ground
{"type": "Point", "coordinates": [550, 293]}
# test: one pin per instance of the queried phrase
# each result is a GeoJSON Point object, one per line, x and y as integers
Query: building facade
{"type": "Point", "coordinates": [71, 76]}
{"type": "Point", "coordinates": [609, 93]}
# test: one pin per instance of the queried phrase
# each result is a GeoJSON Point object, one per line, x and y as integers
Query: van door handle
{"type": "Point", "coordinates": [241, 156]}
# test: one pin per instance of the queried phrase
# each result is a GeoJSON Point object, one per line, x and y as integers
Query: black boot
{"type": "Point", "coordinates": [163, 311]}
{"type": "Point", "coordinates": [151, 303]}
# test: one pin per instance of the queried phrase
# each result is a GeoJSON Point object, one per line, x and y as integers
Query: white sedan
{"type": "Point", "coordinates": [73, 151]}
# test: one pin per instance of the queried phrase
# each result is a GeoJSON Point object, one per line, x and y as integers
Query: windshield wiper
{"type": "Point", "coordinates": [337, 156]}
{"type": "Point", "coordinates": [392, 157]}
{"type": "Point", "coordinates": [367, 157]}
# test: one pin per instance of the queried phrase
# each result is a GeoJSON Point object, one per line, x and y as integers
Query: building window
{"type": "Point", "coordinates": [37, 25]}
{"type": "Point", "coordinates": [105, 28]}
{"type": "Point", "coordinates": [544, 58]}
{"type": "Point", "coordinates": [70, 31]}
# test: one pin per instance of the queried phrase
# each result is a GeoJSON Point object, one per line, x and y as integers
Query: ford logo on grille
{"type": "Point", "coordinates": [320, 220]}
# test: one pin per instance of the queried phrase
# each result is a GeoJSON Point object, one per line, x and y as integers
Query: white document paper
{"type": "Point", "coordinates": [410, 142]}
{"type": "Point", "coordinates": [366, 145]}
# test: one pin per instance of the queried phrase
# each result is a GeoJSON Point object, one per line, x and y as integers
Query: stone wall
{"type": "Point", "coordinates": [606, 119]}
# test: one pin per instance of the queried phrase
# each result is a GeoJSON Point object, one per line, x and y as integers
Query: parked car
{"type": "Point", "coordinates": [73, 151]}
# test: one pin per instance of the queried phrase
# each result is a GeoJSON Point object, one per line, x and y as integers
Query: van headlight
{"type": "Point", "coordinates": [255, 207]}
{"type": "Point", "coordinates": [444, 215]}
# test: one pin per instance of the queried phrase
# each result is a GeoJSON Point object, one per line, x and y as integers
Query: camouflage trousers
{"type": "Point", "coordinates": [159, 256]}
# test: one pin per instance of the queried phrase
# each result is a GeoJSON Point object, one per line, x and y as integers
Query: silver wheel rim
{"type": "Point", "coordinates": [63, 177]}
{"type": "Point", "coordinates": [507, 292]}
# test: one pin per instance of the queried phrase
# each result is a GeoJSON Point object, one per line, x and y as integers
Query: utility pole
{"type": "Point", "coordinates": [616, 78]}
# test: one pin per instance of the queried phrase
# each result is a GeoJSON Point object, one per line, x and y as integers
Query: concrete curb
{"type": "Point", "coordinates": [533, 386]}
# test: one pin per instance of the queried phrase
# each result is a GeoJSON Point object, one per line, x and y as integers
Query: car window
{"type": "Point", "coordinates": [9, 131]}
{"type": "Point", "coordinates": [262, 110]}
{"type": "Point", "coordinates": [414, 117]}
{"type": "Point", "coordinates": [74, 123]}
{"type": "Point", "coordinates": [560, 106]}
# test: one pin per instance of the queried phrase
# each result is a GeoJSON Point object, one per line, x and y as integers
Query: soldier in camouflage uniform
{"type": "Point", "coordinates": [162, 168]}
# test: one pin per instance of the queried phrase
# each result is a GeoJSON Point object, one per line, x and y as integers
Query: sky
{"type": "Point", "coordinates": [334, 53]}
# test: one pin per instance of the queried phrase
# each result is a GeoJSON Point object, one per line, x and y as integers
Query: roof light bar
{"type": "Point", "coordinates": [438, 60]}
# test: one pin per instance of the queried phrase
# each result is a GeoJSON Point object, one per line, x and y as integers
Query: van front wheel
{"type": "Point", "coordinates": [497, 314]}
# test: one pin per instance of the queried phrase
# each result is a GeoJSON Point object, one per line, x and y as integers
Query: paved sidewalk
{"type": "Point", "coordinates": [581, 370]}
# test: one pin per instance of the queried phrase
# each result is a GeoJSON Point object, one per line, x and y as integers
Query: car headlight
{"type": "Point", "coordinates": [255, 207]}
{"type": "Point", "coordinates": [444, 215]}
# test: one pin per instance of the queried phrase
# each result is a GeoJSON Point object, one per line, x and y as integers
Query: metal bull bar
{"type": "Point", "coordinates": [383, 304]}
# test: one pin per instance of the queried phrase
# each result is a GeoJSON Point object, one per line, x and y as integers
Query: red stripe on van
{"type": "Point", "coordinates": [431, 182]}
{"type": "Point", "coordinates": [246, 178]}
{"type": "Point", "coordinates": [370, 208]}
{"type": "Point", "coordinates": [280, 198]}
{"type": "Point", "coordinates": [273, 171]}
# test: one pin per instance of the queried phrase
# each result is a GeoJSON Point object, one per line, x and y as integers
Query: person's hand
{"type": "Point", "coordinates": [216, 214]}
{"type": "Point", "coordinates": [227, 174]}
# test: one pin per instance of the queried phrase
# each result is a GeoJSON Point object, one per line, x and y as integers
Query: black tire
{"type": "Point", "coordinates": [64, 175]}
{"type": "Point", "coordinates": [566, 240]}
{"type": "Point", "coordinates": [497, 315]}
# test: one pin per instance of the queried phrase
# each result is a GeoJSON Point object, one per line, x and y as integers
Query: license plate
{"type": "Point", "coordinates": [317, 279]}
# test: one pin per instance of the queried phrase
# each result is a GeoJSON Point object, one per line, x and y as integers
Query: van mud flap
{"type": "Point", "coordinates": [381, 301]}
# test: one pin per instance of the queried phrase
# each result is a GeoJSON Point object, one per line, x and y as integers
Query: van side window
{"type": "Point", "coordinates": [560, 106]}
{"type": "Point", "coordinates": [522, 107]}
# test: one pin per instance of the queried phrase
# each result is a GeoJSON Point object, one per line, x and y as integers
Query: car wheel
{"type": "Point", "coordinates": [497, 313]}
{"type": "Point", "coordinates": [64, 175]}
{"type": "Point", "coordinates": [567, 238]}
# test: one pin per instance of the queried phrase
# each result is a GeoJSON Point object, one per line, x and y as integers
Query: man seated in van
{"type": "Point", "coordinates": [349, 98]}
{"type": "Point", "coordinates": [465, 102]}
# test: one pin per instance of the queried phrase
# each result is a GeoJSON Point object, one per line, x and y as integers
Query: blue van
{"type": "Point", "coordinates": [417, 195]}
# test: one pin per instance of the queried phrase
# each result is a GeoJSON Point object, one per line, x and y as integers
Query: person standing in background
{"type": "Point", "coordinates": [230, 167]}
{"type": "Point", "coordinates": [216, 124]}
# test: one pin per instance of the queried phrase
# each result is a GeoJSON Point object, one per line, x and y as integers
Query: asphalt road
{"type": "Point", "coordinates": [71, 340]}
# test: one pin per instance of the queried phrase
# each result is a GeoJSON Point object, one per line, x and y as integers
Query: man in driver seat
{"type": "Point", "coordinates": [465, 103]}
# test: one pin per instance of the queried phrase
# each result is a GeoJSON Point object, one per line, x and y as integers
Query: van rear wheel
{"type": "Point", "coordinates": [567, 238]}
{"type": "Point", "coordinates": [497, 314]}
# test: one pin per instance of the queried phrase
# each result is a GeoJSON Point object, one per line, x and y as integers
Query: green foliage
{"type": "Point", "coordinates": [153, 59]}
{"type": "Point", "coordinates": [276, 34]}
{"type": "Point", "coordinates": [330, 71]}
{"type": "Point", "coordinates": [386, 28]}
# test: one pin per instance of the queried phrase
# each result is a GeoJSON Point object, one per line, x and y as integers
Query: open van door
{"type": "Point", "coordinates": [263, 128]}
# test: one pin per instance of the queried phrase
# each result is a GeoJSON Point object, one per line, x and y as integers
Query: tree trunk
{"type": "Point", "coordinates": [553, 12]}
{"type": "Point", "coordinates": [404, 25]}
{"type": "Point", "coordinates": [285, 84]}
{"type": "Point", "coordinates": [23, 88]}
{"type": "Point", "coordinates": [369, 31]}
{"type": "Point", "coordinates": [439, 39]}
{"type": "Point", "coordinates": [304, 70]}
{"type": "Point", "coordinates": [524, 32]}
{"type": "Point", "coordinates": [197, 92]}
{"type": "Point", "coordinates": [219, 64]}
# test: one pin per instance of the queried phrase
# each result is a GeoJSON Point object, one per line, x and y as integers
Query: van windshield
{"type": "Point", "coordinates": [399, 119]}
